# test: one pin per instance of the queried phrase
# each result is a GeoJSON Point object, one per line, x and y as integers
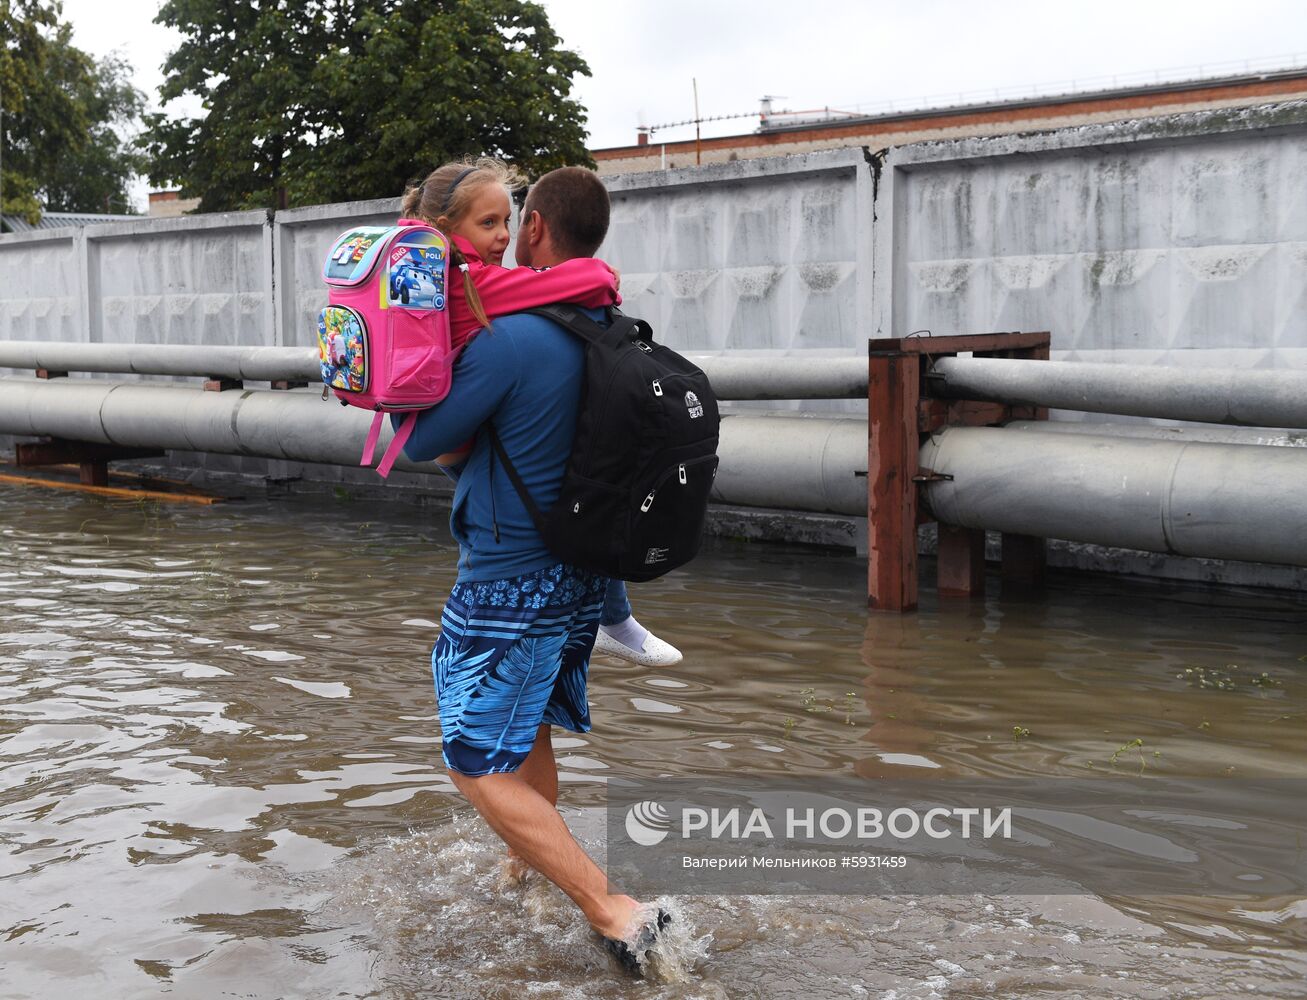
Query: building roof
{"type": "Point", "coordinates": [60, 220]}
{"type": "Point", "coordinates": [987, 117]}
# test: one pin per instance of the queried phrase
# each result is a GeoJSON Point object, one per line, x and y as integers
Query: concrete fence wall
{"type": "Point", "coordinates": [201, 280]}
{"type": "Point", "coordinates": [1178, 240]}
{"type": "Point", "coordinates": [42, 285]}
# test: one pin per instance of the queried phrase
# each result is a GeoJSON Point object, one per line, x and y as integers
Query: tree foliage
{"type": "Point", "coordinates": [338, 100]}
{"type": "Point", "coordinates": [65, 118]}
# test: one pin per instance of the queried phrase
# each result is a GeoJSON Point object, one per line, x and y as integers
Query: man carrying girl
{"type": "Point", "coordinates": [518, 628]}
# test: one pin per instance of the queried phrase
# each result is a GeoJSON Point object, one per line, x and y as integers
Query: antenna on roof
{"type": "Point", "coordinates": [698, 159]}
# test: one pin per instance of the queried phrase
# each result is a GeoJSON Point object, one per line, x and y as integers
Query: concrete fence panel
{"type": "Point", "coordinates": [42, 286]}
{"type": "Point", "coordinates": [761, 255]}
{"type": "Point", "coordinates": [200, 280]}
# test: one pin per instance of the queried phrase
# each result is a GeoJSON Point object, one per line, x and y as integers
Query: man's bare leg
{"type": "Point", "coordinates": [540, 771]}
{"type": "Point", "coordinates": [532, 828]}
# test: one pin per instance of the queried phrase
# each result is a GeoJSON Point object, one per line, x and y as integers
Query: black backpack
{"type": "Point", "coordinates": [643, 460]}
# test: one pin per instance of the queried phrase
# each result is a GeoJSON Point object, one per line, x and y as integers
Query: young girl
{"type": "Point", "coordinates": [469, 202]}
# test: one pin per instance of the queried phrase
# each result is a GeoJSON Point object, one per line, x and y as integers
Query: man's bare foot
{"type": "Point", "coordinates": [634, 948]}
{"type": "Point", "coordinates": [618, 917]}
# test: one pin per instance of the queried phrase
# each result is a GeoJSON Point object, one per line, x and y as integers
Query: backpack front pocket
{"type": "Point", "coordinates": [342, 349]}
{"type": "Point", "coordinates": [667, 526]}
{"type": "Point", "coordinates": [588, 523]}
{"type": "Point", "coordinates": [416, 275]}
{"type": "Point", "coordinates": [420, 363]}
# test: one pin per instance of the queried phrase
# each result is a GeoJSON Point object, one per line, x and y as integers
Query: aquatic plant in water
{"type": "Point", "coordinates": [1225, 678]}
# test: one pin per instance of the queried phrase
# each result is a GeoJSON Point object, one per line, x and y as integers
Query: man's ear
{"type": "Point", "coordinates": [534, 228]}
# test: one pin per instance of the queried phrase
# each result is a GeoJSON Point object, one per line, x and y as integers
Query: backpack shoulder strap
{"type": "Point", "coordinates": [523, 493]}
{"type": "Point", "coordinates": [574, 320]}
{"type": "Point", "coordinates": [402, 433]}
{"type": "Point", "coordinates": [571, 318]}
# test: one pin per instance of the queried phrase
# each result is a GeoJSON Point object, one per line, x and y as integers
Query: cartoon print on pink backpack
{"type": "Point", "coordinates": [341, 350]}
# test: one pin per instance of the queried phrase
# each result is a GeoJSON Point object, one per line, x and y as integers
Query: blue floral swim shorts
{"type": "Point", "coordinates": [514, 655]}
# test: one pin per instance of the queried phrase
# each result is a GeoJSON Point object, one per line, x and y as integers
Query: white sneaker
{"type": "Point", "coordinates": [656, 653]}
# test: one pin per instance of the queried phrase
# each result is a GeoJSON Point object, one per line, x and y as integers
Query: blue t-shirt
{"type": "Point", "coordinates": [525, 375]}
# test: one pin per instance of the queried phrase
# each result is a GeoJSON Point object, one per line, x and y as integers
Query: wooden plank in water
{"type": "Point", "coordinates": [123, 492]}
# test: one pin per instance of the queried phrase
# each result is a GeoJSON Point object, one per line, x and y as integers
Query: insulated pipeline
{"type": "Point", "coordinates": [1192, 498]}
{"type": "Point", "coordinates": [1218, 501]}
{"type": "Point", "coordinates": [796, 463]}
{"type": "Point", "coordinates": [270, 364]}
{"type": "Point", "coordinates": [296, 426]}
{"type": "Point", "coordinates": [1266, 436]}
{"type": "Point", "coordinates": [792, 376]}
{"type": "Point", "coordinates": [1206, 395]}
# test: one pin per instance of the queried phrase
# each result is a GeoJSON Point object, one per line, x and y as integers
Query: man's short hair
{"type": "Point", "coordinates": [573, 203]}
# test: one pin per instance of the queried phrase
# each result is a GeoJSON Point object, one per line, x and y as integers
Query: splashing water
{"type": "Point", "coordinates": [676, 952]}
{"type": "Point", "coordinates": [440, 909]}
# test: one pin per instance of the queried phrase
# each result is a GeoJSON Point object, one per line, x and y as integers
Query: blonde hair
{"type": "Point", "coordinates": [442, 199]}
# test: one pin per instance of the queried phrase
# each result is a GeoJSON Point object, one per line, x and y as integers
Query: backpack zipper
{"type": "Point", "coordinates": [672, 376]}
{"type": "Point", "coordinates": [681, 475]}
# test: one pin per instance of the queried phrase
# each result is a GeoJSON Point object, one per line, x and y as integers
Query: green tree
{"type": "Point", "coordinates": [65, 118]}
{"type": "Point", "coordinates": [22, 67]}
{"type": "Point", "coordinates": [93, 174]}
{"type": "Point", "coordinates": [338, 100]}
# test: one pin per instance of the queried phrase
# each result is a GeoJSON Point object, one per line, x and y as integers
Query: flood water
{"type": "Point", "coordinates": [220, 776]}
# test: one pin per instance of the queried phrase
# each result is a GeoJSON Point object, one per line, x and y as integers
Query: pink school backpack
{"type": "Point", "coordinates": [384, 338]}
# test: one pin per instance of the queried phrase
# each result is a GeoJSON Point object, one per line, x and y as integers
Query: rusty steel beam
{"type": "Point", "coordinates": [993, 345]}
{"type": "Point", "coordinates": [961, 561]}
{"type": "Point", "coordinates": [59, 451]}
{"type": "Point", "coordinates": [893, 383]}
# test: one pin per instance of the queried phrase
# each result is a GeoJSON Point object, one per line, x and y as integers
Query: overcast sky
{"type": "Point", "coordinates": [644, 55]}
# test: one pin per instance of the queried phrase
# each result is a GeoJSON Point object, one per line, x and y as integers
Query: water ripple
{"type": "Point", "coordinates": [220, 770]}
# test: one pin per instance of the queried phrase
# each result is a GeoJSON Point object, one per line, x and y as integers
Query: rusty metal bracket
{"type": "Point", "coordinates": [925, 475]}
{"type": "Point", "coordinates": [222, 384]}
{"type": "Point", "coordinates": [91, 457]}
